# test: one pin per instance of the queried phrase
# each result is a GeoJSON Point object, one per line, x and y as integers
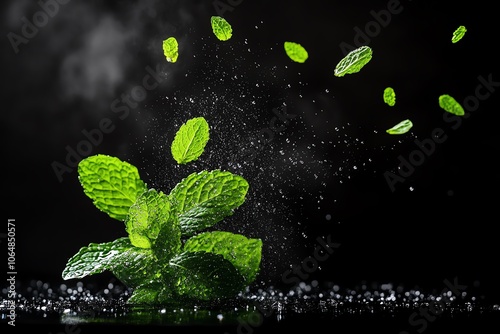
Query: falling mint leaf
{"type": "Point", "coordinates": [400, 128]}
{"type": "Point", "coordinates": [244, 253]}
{"type": "Point", "coordinates": [458, 34]}
{"type": "Point", "coordinates": [205, 276]}
{"type": "Point", "coordinates": [449, 104]}
{"type": "Point", "coordinates": [221, 28]}
{"type": "Point", "coordinates": [171, 49]}
{"type": "Point", "coordinates": [390, 96]}
{"type": "Point", "coordinates": [112, 184]}
{"type": "Point", "coordinates": [296, 52]}
{"type": "Point", "coordinates": [190, 140]}
{"type": "Point", "coordinates": [136, 266]}
{"type": "Point", "coordinates": [205, 198]}
{"type": "Point", "coordinates": [354, 61]}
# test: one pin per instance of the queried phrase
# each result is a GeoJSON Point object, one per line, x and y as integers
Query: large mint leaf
{"type": "Point", "coordinates": [296, 52]}
{"type": "Point", "coordinates": [205, 276]}
{"type": "Point", "coordinates": [244, 253]}
{"type": "Point", "coordinates": [205, 198]}
{"type": "Point", "coordinates": [171, 49]}
{"type": "Point", "coordinates": [354, 61]}
{"type": "Point", "coordinates": [147, 216]}
{"type": "Point", "coordinates": [221, 28]}
{"type": "Point", "coordinates": [190, 140]}
{"type": "Point", "coordinates": [112, 184]}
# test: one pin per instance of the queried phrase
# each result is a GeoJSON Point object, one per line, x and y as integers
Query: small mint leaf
{"type": "Point", "coordinates": [205, 276]}
{"type": "Point", "coordinates": [296, 52]}
{"type": "Point", "coordinates": [146, 293]}
{"type": "Point", "coordinates": [171, 49]}
{"type": "Point", "coordinates": [112, 184]}
{"type": "Point", "coordinates": [244, 253]}
{"type": "Point", "coordinates": [458, 34]}
{"type": "Point", "coordinates": [389, 96]}
{"type": "Point", "coordinates": [400, 128]}
{"type": "Point", "coordinates": [205, 198]}
{"type": "Point", "coordinates": [449, 104]}
{"type": "Point", "coordinates": [190, 140]}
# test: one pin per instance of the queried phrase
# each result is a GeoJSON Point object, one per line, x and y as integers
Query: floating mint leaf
{"type": "Point", "coordinates": [205, 198]}
{"type": "Point", "coordinates": [244, 253]}
{"type": "Point", "coordinates": [400, 128]}
{"type": "Point", "coordinates": [147, 216]}
{"type": "Point", "coordinates": [458, 34]}
{"type": "Point", "coordinates": [354, 61]}
{"type": "Point", "coordinates": [296, 52]}
{"type": "Point", "coordinates": [449, 104]}
{"type": "Point", "coordinates": [112, 184]}
{"type": "Point", "coordinates": [221, 28]}
{"type": "Point", "coordinates": [390, 96]}
{"type": "Point", "coordinates": [205, 276]}
{"type": "Point", "coordinates": [190, 140]}
{"type": "Point", "coordinates": [171, 49]}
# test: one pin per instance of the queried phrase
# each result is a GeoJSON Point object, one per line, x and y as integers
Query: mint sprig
{"type": "Point", "coordinates": [168, 255]}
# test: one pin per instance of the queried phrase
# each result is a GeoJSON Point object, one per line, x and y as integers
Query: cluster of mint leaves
{"type": "Point", "coordinates": [169, 255]}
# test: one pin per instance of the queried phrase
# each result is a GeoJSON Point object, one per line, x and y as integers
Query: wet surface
{"type": "Point", "coordinates": [84, 307]}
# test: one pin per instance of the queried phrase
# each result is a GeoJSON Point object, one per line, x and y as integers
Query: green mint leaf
{"type": "Point", "coordinates": [135, 266]}
{"type": "Point", "coordinates": [131, 265]}
{"type": "Point", "coordinates": [221, 28]}
{"type": "Point", "coordinates": [205, 198]}
{"type": "Point", "coordinates": [400, 128]}
{"type": "Point", "coordinates": [244, 253]}
{"type": "Point", "coordinates": [148, 293]}
{"type": "Point", "coordinates": [95, 258]}
{"type": "Point", "coordinates": [112, 184]}
{"type": "Point", "coordinates": [296, 52]}
{"type": "Point", "coordinates": [171, 49]}
{"type": "Point", "coordinates": [449, 104]}
{"type": "Point", "coordinates": [190, 140]}
{"type": "Point", "coordinates": [458, 34]}
{"type": "Point", "coordinates": [354, 61]}
{"type": "Point", "coordinates": [205, 276]}
{"type": "Point", "coordinates": [390, 96]}
{"type": "Point", "coordinates": [147, 216]}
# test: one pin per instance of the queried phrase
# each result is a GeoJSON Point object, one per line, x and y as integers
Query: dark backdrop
{"type": "Point", "coordinates": [322, 176]}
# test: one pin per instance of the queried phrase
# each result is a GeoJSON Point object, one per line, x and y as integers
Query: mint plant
{"type": "Point", "coordinates": [168, 254]}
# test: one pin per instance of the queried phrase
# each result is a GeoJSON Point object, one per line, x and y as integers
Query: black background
{"type": "Point", "coordinates": [323, 176]}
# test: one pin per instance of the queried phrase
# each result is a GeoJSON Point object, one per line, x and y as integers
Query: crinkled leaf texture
{"type": "Point", "coordinates": [131, 265]}
{"type": "Point", "coordinates": [221, 28]}
{"type": "Point", "coordinates": [354, 61]}
{"type": "Point", "coordinates": [151, 216]}
{"type": "Point", "coordinates": [203, 199]}
{"type": "Point", "coordinates": [112, 184]}
{"type": "Point", "coordinates": [244, 253]}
